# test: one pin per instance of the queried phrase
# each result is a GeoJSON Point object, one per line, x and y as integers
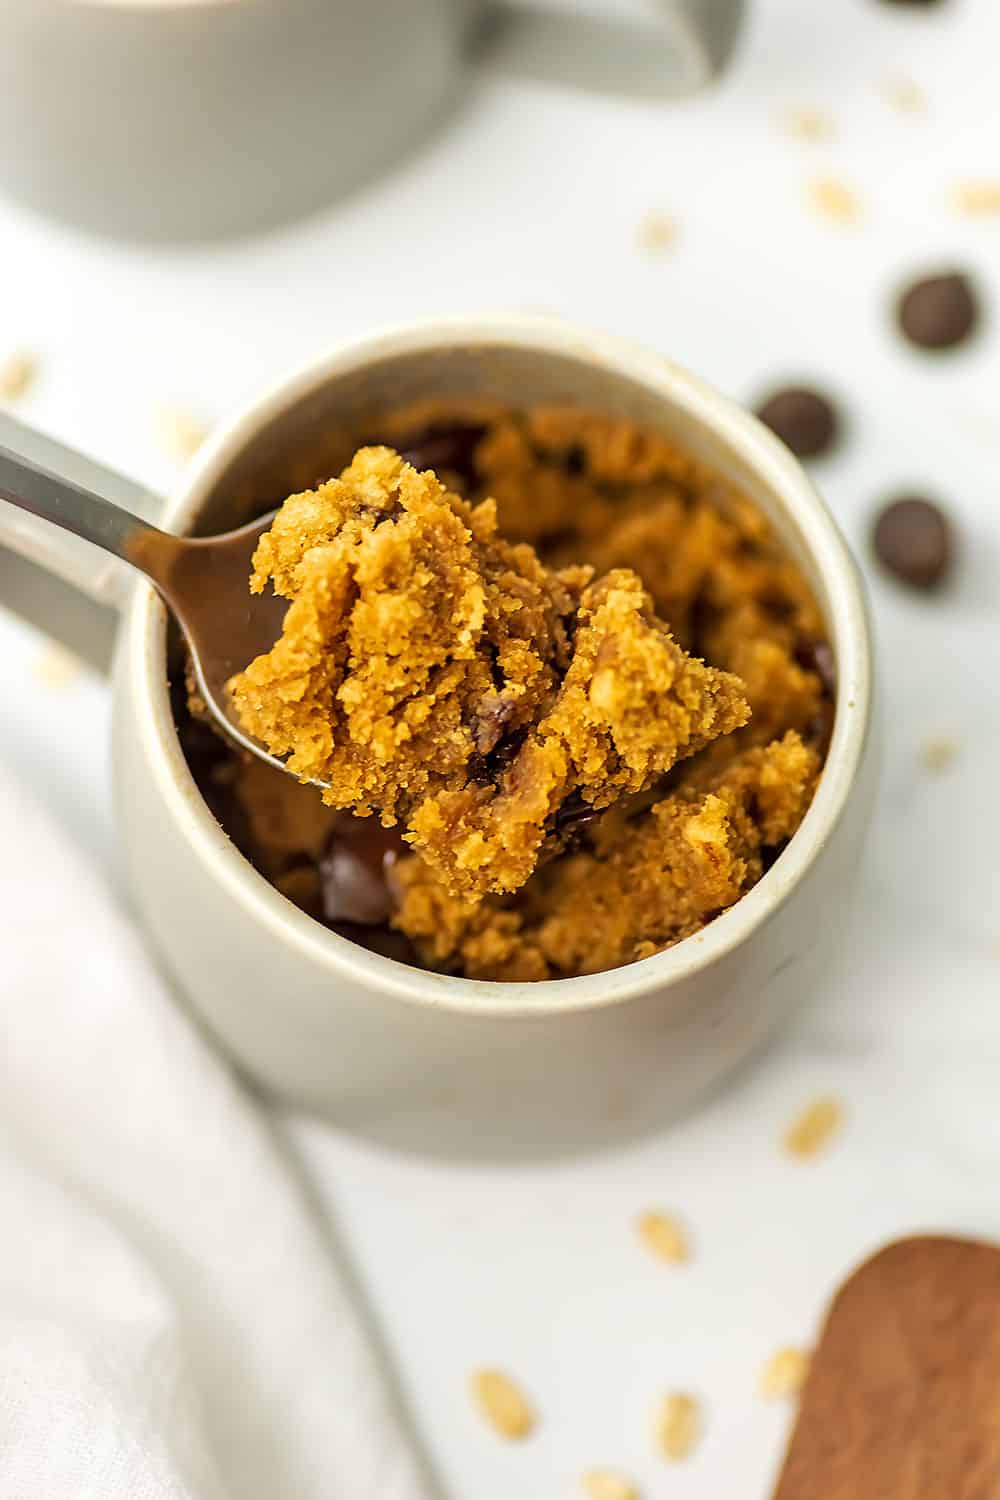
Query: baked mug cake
{"type": "Point", "coordinates": [568, 695]}
{"type": "Point", "coordinates": [673, 918]}
{"type": "Point", "coordinates": [282, 955]}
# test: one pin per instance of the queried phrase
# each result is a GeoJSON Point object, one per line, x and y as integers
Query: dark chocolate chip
{"type": "Point", "coordinates": [912, 538]}
{"type": "Point", "coordinates": [355, 872]}
{"type": "Point", "coordinates": [448, 450]}
{"type": "Point", "coordinates": [819, 731]}
{"type": "Point", "coordinates": [488, 770]}
{"type": "Point", "coordinates": [384, 940]}
{"type": "Point", "coordinates": [575, 814]}
{"type": "Point", "coordinates": [805, 420]}
{"type": "Point", "coordinates": [817, 656]}
{"type": "Point", "coordinates": [352, 891]}
{"type": "Point", "coordinates": [491, 718]}
{"type": "Point", "coordinates": [770, 853]}
{"type": "Point", "coordinates": [938, 312]}
{"type": "Point", "coordinates": [480, 770]}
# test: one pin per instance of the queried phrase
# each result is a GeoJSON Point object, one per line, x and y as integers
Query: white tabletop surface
{"type": "Point", "coordinates": [531, 199]}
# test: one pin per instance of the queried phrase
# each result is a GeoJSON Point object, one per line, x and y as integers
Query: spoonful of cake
{"type": "Point", "coordinates": [203, 580]}
{"type": "Point", "coordinates": [437, 675]}
{"type": "Point", "coordinates": [394, 650]}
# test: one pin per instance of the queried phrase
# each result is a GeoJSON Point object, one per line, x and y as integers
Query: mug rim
{"type": "Point", "coordinates": [144, 645]}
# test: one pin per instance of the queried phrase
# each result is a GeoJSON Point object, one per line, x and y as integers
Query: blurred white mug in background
{"type": "Point", "coordinates": [178, 119]}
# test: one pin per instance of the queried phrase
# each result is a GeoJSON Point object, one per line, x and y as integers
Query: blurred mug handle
{"type": "Point", "coordinates": [682, 46]}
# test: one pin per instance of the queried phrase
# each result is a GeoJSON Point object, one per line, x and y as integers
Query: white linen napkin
{"type": "Point", "coordinates": [173, 1321]}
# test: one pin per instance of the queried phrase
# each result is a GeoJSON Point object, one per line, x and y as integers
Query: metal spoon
{"type": "Point", "coordinates": [203, 580]}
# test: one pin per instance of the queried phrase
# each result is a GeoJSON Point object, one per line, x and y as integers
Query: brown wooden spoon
{"type": "Point", "coordinates": [902, 1401]}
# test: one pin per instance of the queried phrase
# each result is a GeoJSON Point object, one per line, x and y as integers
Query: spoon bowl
{"type": "Point", "coordinates": [205, 581]}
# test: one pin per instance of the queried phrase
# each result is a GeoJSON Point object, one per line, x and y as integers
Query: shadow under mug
{"type": "Point", "coordinates": [421, 1060]}
{"type": "Point", "coordinates": [187, 119]}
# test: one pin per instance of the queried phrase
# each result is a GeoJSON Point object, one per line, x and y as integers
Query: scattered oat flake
{"type": "Point", "coordinates": [605, 1484]}
{"type": "Point", "coordinates": [834, 201]}
{"type": "Point", "coordinates": [815, 1127]}
{"type": "Point", "coordinates": [678, 1426]}
{"type": "Point", "coordinates": [503, 1404]}
{"type": "Point", "coordinates": [56, 667]}
{"type": "Point", "coordinates": [978, 200]}
{"type": "Point", "coordinates": [940, 752]}
{"type": "Point", "coordinates": [657, 233]}
{"type": "Point", "coordinates": [785, 1373]}
{"type": "Point", "coordinates": [664, 1236]}
{"type": "Point", "coordinates": [905, 96]}
{"type": "Point", "coordinates": [809, 125]}
{"type": "Point", "coordinates": [17, 374]}
{"type": "Point", "coordinates": [182, 433]}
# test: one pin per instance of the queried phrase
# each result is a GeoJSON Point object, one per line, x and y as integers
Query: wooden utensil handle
{"type": "Point", "coordinates": [903, 1396]}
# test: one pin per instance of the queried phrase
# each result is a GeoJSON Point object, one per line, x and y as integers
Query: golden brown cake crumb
{"type": "Point", "coordinates": [503, 1404]}
{"type": "Point", "coordinates": [665, 1236]}
{"type": "Point", "coordinates": [435, 674]}
{"type": "Point", "coordinates": [649, 880]}
{"type": "Point", "coordinates": [813, 1130]}
{"type": "Point", "coordinates": [678, 1426]}
{"type": "Point", "coordinates": [785, 1373]}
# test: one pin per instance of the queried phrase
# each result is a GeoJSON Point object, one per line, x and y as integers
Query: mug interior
{"type": "Point", "coordinates": [309, 429]}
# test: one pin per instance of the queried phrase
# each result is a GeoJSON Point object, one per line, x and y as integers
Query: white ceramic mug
{"type": "Point", "coordinates": [423, 1058]}
{"type": "Point", "coordinates": [180, 118]}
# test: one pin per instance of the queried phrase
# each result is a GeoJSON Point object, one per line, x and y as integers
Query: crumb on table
{"type": "Point", "coordinates": [978, 199]}
{"type": "Point", "coordinates": [813, 1130]}
{"type": "Point", "coordinates": [657, 233]}
{"type": "Point", "coordinates": [678, 1426]}
{"type": "Point", "coordinates": [17, 375]}
{"type": "Point", "coordinates": [940, 752]}
{"type": "Point", "coordinates": [182, 434]}
{"type": "Point", "coordinates": [503, 1403]}
{"type": "Point", "coordinates": [664, 1235]}
{"type": "Point", "coordinates": [784, 1373]}
{"type": "Point", "coordinates": [607, 1484]}
{"type": "Point", "coordinates": [809, 124]}
{"type": "Point", "coordinates": [906, 97]}
{"type": "Point", "coordinates": [834, 201]}
{"type": "Point", "coordinates": [56, 667]}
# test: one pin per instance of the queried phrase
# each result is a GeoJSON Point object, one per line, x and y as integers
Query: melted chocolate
{"type": "Point", "coordinates": [817, 656]}
{"type": "Point", "coordinates": [355, 872]}
{"type": "Point", "coordinates": [449, 450]}
{"type": "Point", "coordinates": [348, 887]}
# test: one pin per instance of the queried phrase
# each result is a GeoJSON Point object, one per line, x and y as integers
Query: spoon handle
{"type": "Point", "coordinates": [34, 488]}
